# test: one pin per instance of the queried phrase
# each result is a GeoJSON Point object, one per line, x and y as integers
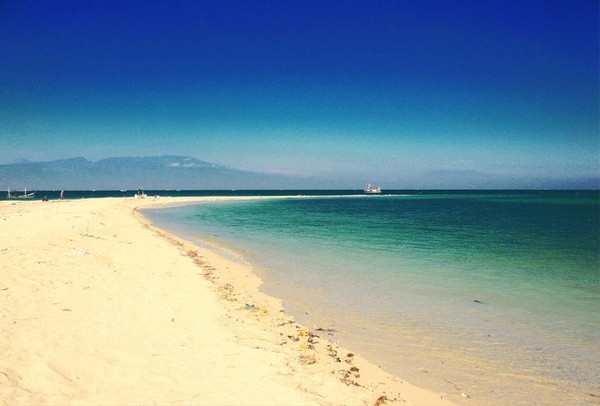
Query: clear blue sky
{"type": "Point", "coordinates": [383, 89]}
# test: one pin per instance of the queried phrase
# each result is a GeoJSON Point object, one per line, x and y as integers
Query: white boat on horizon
{"type": "Point", "coordinates": [372, 189]}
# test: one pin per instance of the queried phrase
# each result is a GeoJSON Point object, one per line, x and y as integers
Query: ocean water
{"type": "Point", "coordinates": [89, 194]}
{"type": "Point", "coordinates": [494, 295]}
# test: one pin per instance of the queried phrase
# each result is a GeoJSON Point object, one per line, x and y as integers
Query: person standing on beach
{"type": "Point", "coordinates": [62, 194]}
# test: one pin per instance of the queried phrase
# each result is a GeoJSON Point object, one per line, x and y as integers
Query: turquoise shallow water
{"type": "Point", "coordinates": [494, 294]}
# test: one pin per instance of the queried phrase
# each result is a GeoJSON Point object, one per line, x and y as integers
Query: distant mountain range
{"type": "Point", "coordinates": [156, 172]}
{"type": "Point", "coordinates": [187, 173]}
{"type": "Point", "coordinates": [473, 180]}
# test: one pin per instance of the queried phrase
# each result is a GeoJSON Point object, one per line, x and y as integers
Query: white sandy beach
{"type": "Point", "coordinates": [99, 307]}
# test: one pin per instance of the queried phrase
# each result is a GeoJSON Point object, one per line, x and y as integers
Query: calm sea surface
{"type": "Point", "coordinates": [492, 294]}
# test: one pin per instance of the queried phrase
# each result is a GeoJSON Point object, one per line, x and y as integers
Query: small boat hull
{"type": "Point", "coordinates": [372, 189]}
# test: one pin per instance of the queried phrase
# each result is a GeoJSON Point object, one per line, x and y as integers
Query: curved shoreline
{"type": "Point", "coordinates": [313, 351]}
{"type": "Point", "coordinates": [144, 319]}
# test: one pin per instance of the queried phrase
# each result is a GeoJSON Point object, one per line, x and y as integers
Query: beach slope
{"type": "Point", "coordinates": [99, 307]}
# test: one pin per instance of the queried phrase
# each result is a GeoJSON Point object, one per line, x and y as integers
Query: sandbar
{"type": "Point", "coordinates": [98, 306]}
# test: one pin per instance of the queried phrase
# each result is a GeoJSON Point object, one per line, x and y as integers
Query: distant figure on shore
{"type": "Point", "coordinates": [62, 195]}
{"type": "Point", "coordinates": [45, 199]}
{"type": "Point", "coordinates": [140, 194]}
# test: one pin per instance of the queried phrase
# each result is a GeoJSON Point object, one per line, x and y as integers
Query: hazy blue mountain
{"type": "Point", "coordinates": [181, 172]}
{"type": "Point", "coordinates": [157, 172]}
{"type": "Point", "coordinates": [469, 179]}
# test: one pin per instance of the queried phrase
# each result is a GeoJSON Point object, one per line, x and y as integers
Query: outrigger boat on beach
{"type": "Point", "coordinates": [372, 189]}
{"type": "Point", "coordinates": [25, 195]}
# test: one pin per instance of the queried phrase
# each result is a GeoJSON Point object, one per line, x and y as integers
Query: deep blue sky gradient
{"type": "Point", "coordinates": [384, 90]}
